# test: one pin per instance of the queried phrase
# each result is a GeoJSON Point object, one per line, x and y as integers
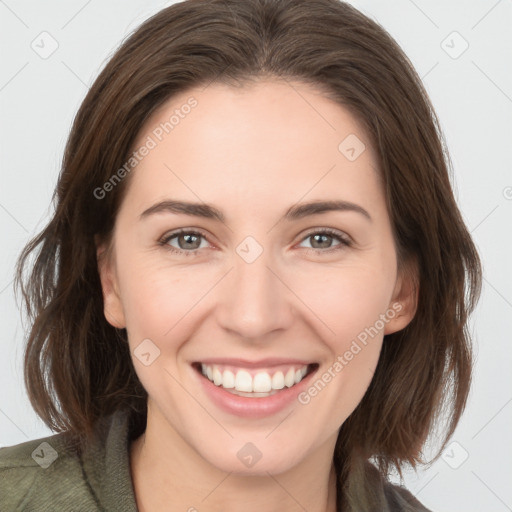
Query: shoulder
{"type": "Point", "coordinates": [49, 473]}
{"type": "Point", "coordinates": [396, 497]}
{"type": "Point", "coordinates": [400, 499]}
{"type": "Point", "coordinates": [39, 474]}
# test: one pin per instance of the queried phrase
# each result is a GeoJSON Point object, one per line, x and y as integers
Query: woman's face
{"type": "Point", "coordinates": [259, 288]}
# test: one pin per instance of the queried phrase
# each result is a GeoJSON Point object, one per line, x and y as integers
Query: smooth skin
{"type": "Point", "coordinates": [252, 152]}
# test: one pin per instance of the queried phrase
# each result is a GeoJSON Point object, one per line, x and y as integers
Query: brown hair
{"type": "Point", "coordinates": [78, 367]}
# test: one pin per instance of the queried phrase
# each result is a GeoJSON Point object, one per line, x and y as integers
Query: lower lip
{"type": "Point", "coordinates": [258, 407]}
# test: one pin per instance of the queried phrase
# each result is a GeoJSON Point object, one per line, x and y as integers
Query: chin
{"type": "Point", "coordinates": [242, 456]}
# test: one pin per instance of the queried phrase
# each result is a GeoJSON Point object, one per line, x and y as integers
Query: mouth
{"type": "Point", "coordinates": [254, 382]}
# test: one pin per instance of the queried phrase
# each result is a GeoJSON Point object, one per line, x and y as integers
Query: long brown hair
{"type": "Point", "coordinates": [78, 367]}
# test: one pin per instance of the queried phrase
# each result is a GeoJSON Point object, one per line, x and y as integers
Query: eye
{"type": "Point", "coordinates": [188, 242]}
{"type": "Point", "coordinates": [322, 240]}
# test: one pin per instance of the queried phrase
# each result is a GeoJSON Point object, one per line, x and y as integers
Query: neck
{"type": "Point", "coordinates": [168, 471]}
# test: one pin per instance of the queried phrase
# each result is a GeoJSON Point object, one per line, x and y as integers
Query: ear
{"type": "Point", "coordinates": [405, 298]}
{"type": "Point", "coordinates": [112, 305]}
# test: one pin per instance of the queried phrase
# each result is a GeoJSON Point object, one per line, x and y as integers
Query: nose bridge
{"type": "Point", "coordinates": [255, 301]}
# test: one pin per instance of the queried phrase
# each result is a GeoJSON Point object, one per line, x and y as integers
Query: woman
{"type": "Point", "coordinates": [255, 286]}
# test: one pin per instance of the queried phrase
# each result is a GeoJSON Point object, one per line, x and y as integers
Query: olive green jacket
{"type": "Point", "coordinates": [47, 475]}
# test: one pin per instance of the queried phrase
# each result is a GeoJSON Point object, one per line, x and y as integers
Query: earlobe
{"type": "Point", "coordinates": [404, 302]}
{"type": "Point", "coordinates": [112, 305]}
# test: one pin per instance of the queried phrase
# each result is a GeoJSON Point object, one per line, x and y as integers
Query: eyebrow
{"type": "Point", "coordinates": [295, 212]}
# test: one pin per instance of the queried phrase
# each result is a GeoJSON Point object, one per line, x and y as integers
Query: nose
{"type": "Point", "coordinates": [255, 299]}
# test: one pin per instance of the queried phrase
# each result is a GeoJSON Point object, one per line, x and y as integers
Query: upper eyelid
{"type": "Point", "coordinates": [172, 234]}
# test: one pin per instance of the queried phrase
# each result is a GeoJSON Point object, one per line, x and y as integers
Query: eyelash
{"type": "Point", "coordinates": [343, 239]}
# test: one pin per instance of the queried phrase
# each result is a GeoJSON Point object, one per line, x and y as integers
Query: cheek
{"type": "Point", "coordinates": [354, 304]}
{"type": "Point", "coordinates": [161, 304]}
{"type": "Point", "coordinates": [155, 298]}
{"type": "Point", "coordinates": [348, 299]}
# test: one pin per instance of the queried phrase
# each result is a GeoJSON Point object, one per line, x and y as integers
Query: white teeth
{"type": "Point", "coordinates": [262, 382]}
{"type": "Point", "coordinates": [278, 380]}
{"type": "Point", "coordinates": [289, 378]}
{"type": "Point", "coordinates": [243, 381]}
{"type": "Point", "coordinates": [260, 385]}
{"type": "Point", "coordinates": [217, 376]}
{"type": "Point", "coordinates": [228, 379]}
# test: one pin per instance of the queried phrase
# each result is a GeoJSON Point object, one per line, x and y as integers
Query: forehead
{"type": "Point", "coordinates": [271, 140]}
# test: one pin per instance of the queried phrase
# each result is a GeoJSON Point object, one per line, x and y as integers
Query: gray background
{"type": "Point", "coordinates": [472, 94]}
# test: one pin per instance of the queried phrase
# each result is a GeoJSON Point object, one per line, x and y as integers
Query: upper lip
{"type": "Point", "coordinates": [244, 363]}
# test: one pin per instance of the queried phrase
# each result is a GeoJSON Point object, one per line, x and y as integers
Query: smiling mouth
{"type": "Point", "coordinates": [253, 382]}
